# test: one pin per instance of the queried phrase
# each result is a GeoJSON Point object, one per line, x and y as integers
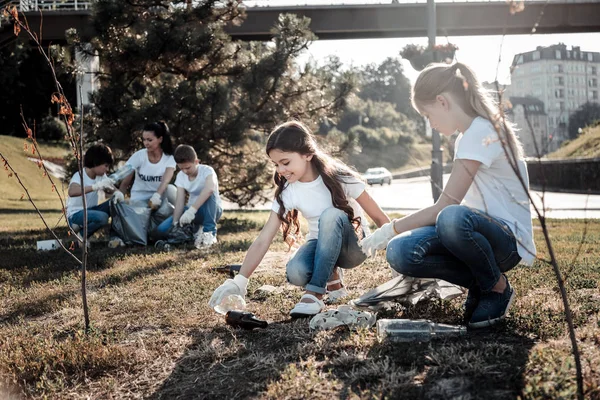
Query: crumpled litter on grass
{"type": "Point", "coordinates": [342, 316]}
{"type": "Point", "coordinates": [408, 291]}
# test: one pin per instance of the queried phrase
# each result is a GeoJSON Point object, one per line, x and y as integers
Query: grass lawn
{"type": "Point", "coordinates": [154, 335]}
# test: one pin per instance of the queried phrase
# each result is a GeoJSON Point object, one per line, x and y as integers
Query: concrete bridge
{"type": "Point", "coordinates": [339, 21]}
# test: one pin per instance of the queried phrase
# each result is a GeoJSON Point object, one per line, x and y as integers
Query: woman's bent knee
{"type": "Point", "coordinates": [401, 256]}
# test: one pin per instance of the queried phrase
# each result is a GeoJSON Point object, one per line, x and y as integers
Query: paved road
{"type": "Point", "coordinates": [408, 195]}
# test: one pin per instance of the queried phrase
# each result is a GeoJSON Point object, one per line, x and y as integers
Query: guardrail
{"type": "Point", "coordinates": [569, 175]}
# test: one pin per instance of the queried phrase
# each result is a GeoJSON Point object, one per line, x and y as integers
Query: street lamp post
{"type": "Point", "coordinates": [437, 183]}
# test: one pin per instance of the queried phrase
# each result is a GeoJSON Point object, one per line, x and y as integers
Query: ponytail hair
{"type": "Point", "coordinates": [463, 86]}
{"type": "Point", "coordinates": [161, 130]}
{"type": "Point", "coordinates": [295, 137]}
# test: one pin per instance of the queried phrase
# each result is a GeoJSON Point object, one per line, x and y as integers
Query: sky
{"type": "Point", "coordinates": [479, 52]}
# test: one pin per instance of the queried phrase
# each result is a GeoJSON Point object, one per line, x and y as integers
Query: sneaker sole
{"type": "Point", "coordinates": [489, 322]}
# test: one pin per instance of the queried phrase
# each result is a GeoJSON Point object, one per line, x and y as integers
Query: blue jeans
{"type": "Point", "coordinates": [337, 244]}
{"type": "Point", "coordinates": [466, 247]}
{"type": "Point", "coordinates": [207, 215]}
{"type": "Point", "coordinates": [97, 217]}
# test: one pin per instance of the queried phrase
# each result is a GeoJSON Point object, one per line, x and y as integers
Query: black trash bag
{"type": "Point", "coordinates": [157, 217]}
{"type": "Point", "coordinates": [180, 234]}
{"type": "Point", "coordinates": [163, 212]}
{"type": "Point", "coordinates": [130, 223]}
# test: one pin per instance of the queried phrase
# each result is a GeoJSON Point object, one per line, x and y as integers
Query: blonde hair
{"type": "Point", "coordinates": [463, 86]}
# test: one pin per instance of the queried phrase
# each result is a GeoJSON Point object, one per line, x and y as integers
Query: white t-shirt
{"type": "Point", "coordinates": [312, 198]}
{"type": "Point", "coordinates": [75, 204]}
{"type": "Point", "coordinates": [496, 189]}
{"type": "Point", "coordinates": [195, 186]}
{"type": "Point", "coordinates": [148, 176]}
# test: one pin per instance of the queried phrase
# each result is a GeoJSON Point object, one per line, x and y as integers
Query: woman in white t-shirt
{"type": "Point", "coordinates": [153, 166]}
{"type": "Point", "coordinates": [152, 170]}
{"type": "Point", "coordinates": [331, 197]}
{"type": "Point", "coordinates": [96, 161]}
{"type": "Point", "coordinates": [480, 227]}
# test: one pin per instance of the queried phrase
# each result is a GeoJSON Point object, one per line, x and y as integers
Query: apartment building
{"type": "Point", "coordinates": [562, 79]}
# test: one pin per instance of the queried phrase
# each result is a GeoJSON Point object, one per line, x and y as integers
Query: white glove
{"type": "Point", "coordinates": [378, 240]}
{"type": "Point", "coordinates": [119, 196]}
{"type": "Point", "coordinates": [102, 184]}
{"type": "Point", "coordinates": [236, 285]}
{"type": "Point", "coordinates": [155, 201]}
{"type": "Point", "coordinates": [188, 216]}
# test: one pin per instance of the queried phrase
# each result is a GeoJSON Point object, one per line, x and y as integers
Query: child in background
{"type": "Point", "coordinates": [480, 227]}
{"type": "Point", "coordinates": [332, 198]}
{"type": "Point", "coordinates": [203, 207]}
{"type": "Point", "coordinates": [97, 160]}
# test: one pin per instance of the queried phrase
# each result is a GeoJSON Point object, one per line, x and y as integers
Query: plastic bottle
{"type": "Point", "coordinates": [244, 320]}
{"type": "Point", "coordinates": [120, 174]}
{"type": "Point", "coordinates": [420, 330]}
{"type": "Point", "coordinates": [231, 302]}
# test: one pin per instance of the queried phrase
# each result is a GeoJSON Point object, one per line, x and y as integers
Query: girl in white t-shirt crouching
{"type": "Point", "coordinates": [203, 208]}
{"type": "Point", "coordinates": [331, 197]}
{"type": "Point", "coordinates": [480, 227]}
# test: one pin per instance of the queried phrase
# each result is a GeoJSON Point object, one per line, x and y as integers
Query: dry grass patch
{"type": "Point", "coordinates": [155, 337]}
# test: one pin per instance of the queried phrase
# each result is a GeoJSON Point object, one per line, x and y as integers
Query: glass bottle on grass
{"type": "Point", "coordinates": [420, 330]}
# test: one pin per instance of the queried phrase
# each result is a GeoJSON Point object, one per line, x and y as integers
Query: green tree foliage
{"type": "Point", "coordinates": [386, 82]}
{"type": "Point", "coordinates": [378, 122]}
{"type": "Point", "coordinates": [27, 86]}
{"type": "Point", "coordinates": [587, 114]}
{"type": "Point", "coordinates": [172, 61]}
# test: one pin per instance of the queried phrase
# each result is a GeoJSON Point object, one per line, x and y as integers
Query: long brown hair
{"type": "Point", "coordinates": [295, 137]}
{"type": "Point", "coordinates": [464, 87]}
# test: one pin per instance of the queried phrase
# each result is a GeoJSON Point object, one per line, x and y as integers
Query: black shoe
{"type": "Point", "coordinates": [471, 303]}
{"type": "Point", "coordinates": [492, 307]}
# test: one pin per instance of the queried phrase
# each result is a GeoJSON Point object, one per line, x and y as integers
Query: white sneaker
{"type": "Point", "coordinates": [115, 242]}
{"type": "Point", "coordinates": [205, 240]}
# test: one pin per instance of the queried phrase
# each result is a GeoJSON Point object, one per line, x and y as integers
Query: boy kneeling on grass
{"type": "Point", "coordinates": [97, 160]}
{"type": "Point", "coordinates": [203, 207]}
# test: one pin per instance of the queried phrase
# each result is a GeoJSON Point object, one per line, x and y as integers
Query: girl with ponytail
{"type": "Point", "coordinates": [480, 227]}
{"type": "Point", "coordinates": [331, 197]}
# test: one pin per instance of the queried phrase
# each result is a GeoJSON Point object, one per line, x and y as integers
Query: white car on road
{"type": "Point", "coordinates": [378, 175]}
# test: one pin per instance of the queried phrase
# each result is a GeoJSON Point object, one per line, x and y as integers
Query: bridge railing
{"type": "Point", "coordinates": [54, 5]}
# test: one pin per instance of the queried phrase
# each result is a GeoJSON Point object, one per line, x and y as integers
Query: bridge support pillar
{"type": "Point", "coordinates": [88, 65]}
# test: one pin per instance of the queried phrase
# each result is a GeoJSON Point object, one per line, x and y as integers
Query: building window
{"type": "Point", "coordinates": [595, 94]}
{"type": "Point", "coordinates": [535, 55]}
{"type": "Point", "coordinates": [590, 57]}
{"type": "Point", "coordinates": [559, 93]}
{"type": "Point", "coordinates": [520, 59]}
{"type": "Point", "coordinates": [568, 54]}
{"type": "Point", "coordinates": [557, 68]}
{"type": "Point", "coordinates": [536, 68]}
{"type": "Point", "coordinates": [557, 54]}
{"type": "Point", "coordinates": [593, 82]}
{"type": "Point", "coordinates": [559, 81]}
{"type": "Point", "coordinates": [593, 70]}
